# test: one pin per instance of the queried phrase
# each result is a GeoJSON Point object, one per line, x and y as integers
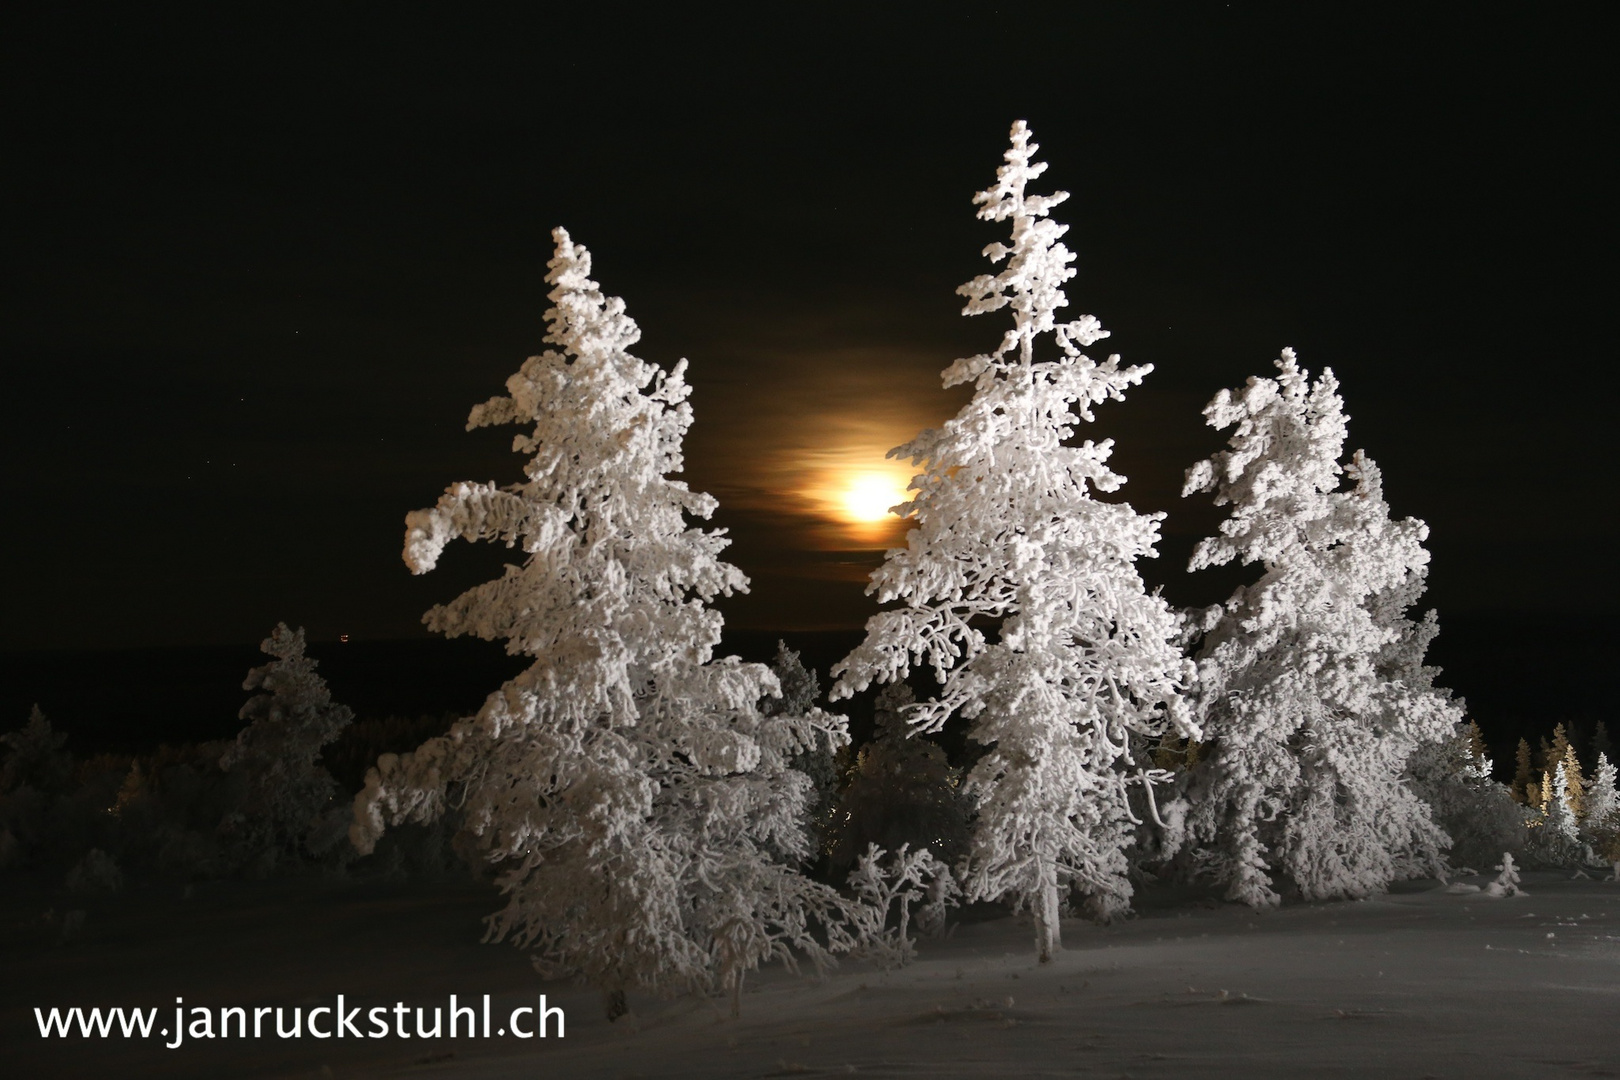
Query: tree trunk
{"type": "Point", "coordinates": [1048, 934]}
{"type": "Point", "coordinates": [614, 1004]}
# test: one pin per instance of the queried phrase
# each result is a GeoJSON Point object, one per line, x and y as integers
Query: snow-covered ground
{"type": "Point", "coordinates": [1420, 983]}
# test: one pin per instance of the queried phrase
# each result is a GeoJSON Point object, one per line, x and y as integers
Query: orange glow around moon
{"type": "Point", "coordinates": [846, 492]}
{"type": "Point", "coordinates": [854, 497]}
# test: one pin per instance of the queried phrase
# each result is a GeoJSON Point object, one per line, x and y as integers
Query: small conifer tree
{"type": "Point", "coordinates": [283, 790]}
{"type": "Point", "coordinates": [1507, 878]}
{"type": "Point", "coordinates": [1574, 783]}
{"type": "Point", "coordinates": [1560, 843]}
{"type": "Point", "coordinates": [1602, 801]}
{"type": "Point", "coordinates": [35, 757]}
{"type": "Point", "coordinates": [1600, 827]}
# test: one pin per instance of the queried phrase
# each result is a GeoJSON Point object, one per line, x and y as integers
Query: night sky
{"type": "Point", "coordinates": [258, 265]}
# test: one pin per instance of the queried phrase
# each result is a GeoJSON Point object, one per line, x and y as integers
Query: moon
{"type": "Point", "coordinates": [867, 496]}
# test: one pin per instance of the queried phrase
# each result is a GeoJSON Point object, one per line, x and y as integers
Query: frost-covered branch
{"type": "Point", "coordinates": [888, 891]}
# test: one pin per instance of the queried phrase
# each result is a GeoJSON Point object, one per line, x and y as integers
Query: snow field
{"type": "Point", "coordinates": [1401, 986]}
{"type": "Point", "coordinates": [1419, 983]}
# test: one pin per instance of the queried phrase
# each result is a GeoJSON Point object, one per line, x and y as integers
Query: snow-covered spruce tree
{"type": "Point", "coordinates": [1602, 801]}
{"type": "Point", "coordinates": [1019, 587]}
{"type": "Point", "coordinates": [640, 807]}
{"type": "Point", "coordinates": [282, 792]}
{"type": "Point", "coordinates": [1575, 789]}
{"type": "Point", "coordinates": [1557, 840]}
{"type": "Point", "coordinates": [1507, 879]}
{"type": "Point", "coordinates": [1601, 827]}
{"type": "Point", "coordinates": [1312, 691]}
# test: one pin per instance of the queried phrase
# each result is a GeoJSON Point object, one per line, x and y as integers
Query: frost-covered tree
{"type": "Point", "coordinates": [1507, 878]}
{"type": "Point", "coordinates": [1601, 827]}
{"type": "Point", "coordinates": [1574, 782]}
{"type": "Point", "coordinates": [640, 807]}
{"type": "Point", "coordinates": [1313, 695]}
{"type": "Point", "coordinates": [283, 790]}
{"type": "Point", "coordinates": [1452, 774]}
{"type": "Point", "coordinates": [889, 890]}
{"type": "Point", "coordinates": [1557, 842]}
{"type": "Point", "coordinates": [1602, 801]}
{"type": "Point", "coordinates": [1019, 586]}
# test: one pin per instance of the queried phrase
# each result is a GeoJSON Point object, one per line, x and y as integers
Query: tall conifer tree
{"type": "Point", "coordinates": [1011, 541]}
{"type": "Point", "coordinates": [639, 804]}
{"type": "Point", "coordinates": [1313, 692]}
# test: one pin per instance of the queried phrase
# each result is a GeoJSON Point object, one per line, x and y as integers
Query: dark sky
{"type": "Point", "coordinates": [259, 264]}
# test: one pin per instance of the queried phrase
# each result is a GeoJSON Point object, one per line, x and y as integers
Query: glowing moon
{"type": "Point", "coordinates": [848, 491]}
{"type": "Point", "coordinates": [867, 496]}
